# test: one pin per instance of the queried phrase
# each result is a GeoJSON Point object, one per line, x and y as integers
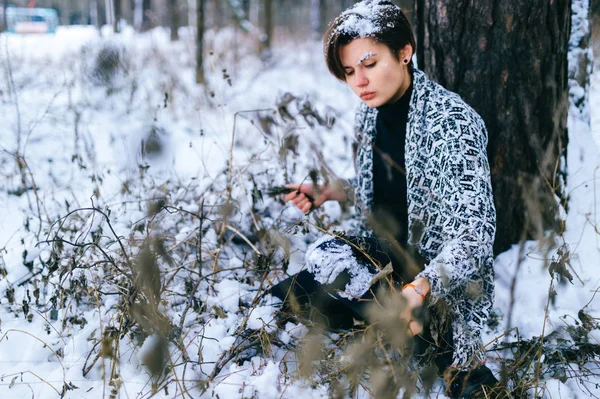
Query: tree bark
{"type": "Point", "coordinates": [318, 16]}
{"type": "Point", "coordinates": [101, 13]}
{"type": "Point", "coordinates": [4, 7]}
{"type": "Point", "coordinates": [146, 10]}
{"type": "Point", "coordinates": [246, 8]}
{"type": "Point", "coordinates": [508, 59]}
{"type": "Point", "coordinates": [94, 13]}
{"type": "Point", "coordinates": [268, 29]}
{"type": "Point", "coordinates": [109, 12]}
{"type": "Point", "coordinates": [117, 15]}
{"type": "Point", "coordinates": [200, 42]}
{"type": "Point", "coordinates": [138, 14]}
{"type": "Point", "coordinates": [174, 19]}
{"type": "Point", "coordinates": [217, 13]}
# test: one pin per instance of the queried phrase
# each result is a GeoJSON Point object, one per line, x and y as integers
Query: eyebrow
{"type": "Point", "coordinates": [365, 57]}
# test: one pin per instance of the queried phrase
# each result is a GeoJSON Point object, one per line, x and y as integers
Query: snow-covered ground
{"type": "Point", "coordinates": [67, 143]}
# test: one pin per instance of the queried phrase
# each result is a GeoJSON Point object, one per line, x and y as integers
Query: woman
{"type": "Point", "coordinates": [422, 189]}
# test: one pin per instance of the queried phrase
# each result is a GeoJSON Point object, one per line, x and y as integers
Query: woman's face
{"type": "Point", "coordinates": [374, 73]}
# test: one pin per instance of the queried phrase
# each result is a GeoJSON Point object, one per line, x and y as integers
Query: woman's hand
{"type": "Point", "coordinates": [305, 197]}
{"type": "Point", "coordinates": [414, 301]}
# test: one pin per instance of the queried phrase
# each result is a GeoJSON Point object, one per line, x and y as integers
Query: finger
{"type": "Point", "coordinates": [303, 204]}
{"type": "Point", "coordinates": [406, 314]}
{"type": "Point", "coordinates": [290, 196]}
{"type": "Point", "coordinates": [307, 207]}
{"type": "Point", "coordinates": [415, 327]}
{"type": "Point", "coordinates": [299, 199]}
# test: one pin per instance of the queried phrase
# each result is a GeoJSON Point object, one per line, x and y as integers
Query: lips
{"type": "Point", "coordinates": [367, 95]}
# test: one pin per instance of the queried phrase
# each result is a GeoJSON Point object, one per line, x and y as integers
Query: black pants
{"type": "Point", "coordinates": [305, 297]}
{"type": "Point", "coordinates": [319, 302]}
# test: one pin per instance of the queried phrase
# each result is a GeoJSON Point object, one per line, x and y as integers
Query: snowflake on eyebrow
{"type": "Point", "coordinates": [366, 56]}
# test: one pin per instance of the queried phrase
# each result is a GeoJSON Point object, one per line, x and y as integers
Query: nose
{"type": "Point", "coordinates": [361, 79]}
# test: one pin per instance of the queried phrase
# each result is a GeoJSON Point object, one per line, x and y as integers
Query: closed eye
{"type": "Point", "coordinates": [370, 65]}
{"type": "Point", "coordinates": [349, 72]}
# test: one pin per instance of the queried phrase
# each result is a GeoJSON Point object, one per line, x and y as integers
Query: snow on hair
{"type": "Point", "coordinates": [366, 18]}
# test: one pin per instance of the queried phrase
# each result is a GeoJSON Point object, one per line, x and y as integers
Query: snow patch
{"type": "Point", "coordinates": [262, 317]}
{"type": "Point", "coordinates": [364, 19]}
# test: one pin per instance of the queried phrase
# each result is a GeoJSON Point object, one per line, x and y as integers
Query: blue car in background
{"type": "Point", "coordinates": [31, 20]}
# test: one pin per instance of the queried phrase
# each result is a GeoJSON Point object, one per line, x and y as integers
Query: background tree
{"type": "Point", "coordinates": [4, 7]}
{"type": "Point", "coordinates": [245, 4]}
{"type": "Point", "coordinates": [595, 21]}
{"type": "Point", "coordinates": [117, 15]}
{"type": "Point", "coordinates": [174, 19]}
{"type": "Point", "coordinates": [318, 16]}
{"type": "Point", "coordinates": [240, 13]}
{"type": "Point", "coordinates": [508, 59]}
{"type": "Point", "coordinates": [94, 20]}
{"type": "Point", "coordinates": [109, 12]}
{"type": "Point", "coordinates": [268, 29]}
{"type": "Point", "coordinates": [200, 41]}
{"type": "Point", "coordinates": [146, 9]}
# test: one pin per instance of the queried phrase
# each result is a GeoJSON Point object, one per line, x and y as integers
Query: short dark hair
{"type": "Point", "coordinates": [381, 20]}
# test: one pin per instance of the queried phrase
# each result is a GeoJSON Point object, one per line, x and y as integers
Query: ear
{"type": "Point", "coordinates": [406, 53]}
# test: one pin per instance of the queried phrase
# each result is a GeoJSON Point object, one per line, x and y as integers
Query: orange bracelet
{"type": "Point", "coordinates": [417, 289]}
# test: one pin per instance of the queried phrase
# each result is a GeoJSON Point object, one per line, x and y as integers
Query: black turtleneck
{"type": "Point", "coordinates": [389, 173]}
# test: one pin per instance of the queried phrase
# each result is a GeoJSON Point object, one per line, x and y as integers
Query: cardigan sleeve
{"type": "Point", "coordinates": [469, 216]}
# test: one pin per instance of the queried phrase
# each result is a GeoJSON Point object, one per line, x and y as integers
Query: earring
{"type": "Point", "coordinates": [406, 61]}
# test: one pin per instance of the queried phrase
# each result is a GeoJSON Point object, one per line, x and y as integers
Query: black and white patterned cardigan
{"type": "Point", "coordinates": [452, 219]}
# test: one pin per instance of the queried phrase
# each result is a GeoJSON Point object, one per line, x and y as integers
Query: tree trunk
{"type": "Point", "coordinates": [318, 17]}
{"type": "Point", "coordinates": [101, 12]}
{"type": "Point", "coordinates": [117, 15]}
{"type": "Point", "coordinates": [217, 13]}
{"type": "Point", "coordinates": [146, 10]}
{"type": "Point", "coordinates": [191, 14]}
{"type": "Point", "coordinates": [200, 42]}
{"type": "Point", "coordinates": [268, 29]}
{"type": "Point", "coordinates": [323, 15]}
{"type": "Point", "coordinates": [174, 19]}
{"type": "Point", "coordinates": [138, 14]}
{"type": "Point", "coordinates": [240, 14]}
{"type": "Point", "coordinates": [246, 8]}
{"type": "Point", "coordinates": [508, 59]}
{"type": "Point", "coordinates": [127, 11]}
{"type": "Point", "coordinates": [4, 7]}
{"type": "Point", "coordinates": [94, 13]}
{"type": "Point", "coordinates": [109, 12]}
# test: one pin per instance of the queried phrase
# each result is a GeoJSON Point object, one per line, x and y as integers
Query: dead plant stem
{"type": "Point", "coordinates": [538, 367]}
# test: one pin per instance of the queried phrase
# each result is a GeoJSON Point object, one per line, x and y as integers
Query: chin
{"type": "Point", "coordinates": [373, 103]}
